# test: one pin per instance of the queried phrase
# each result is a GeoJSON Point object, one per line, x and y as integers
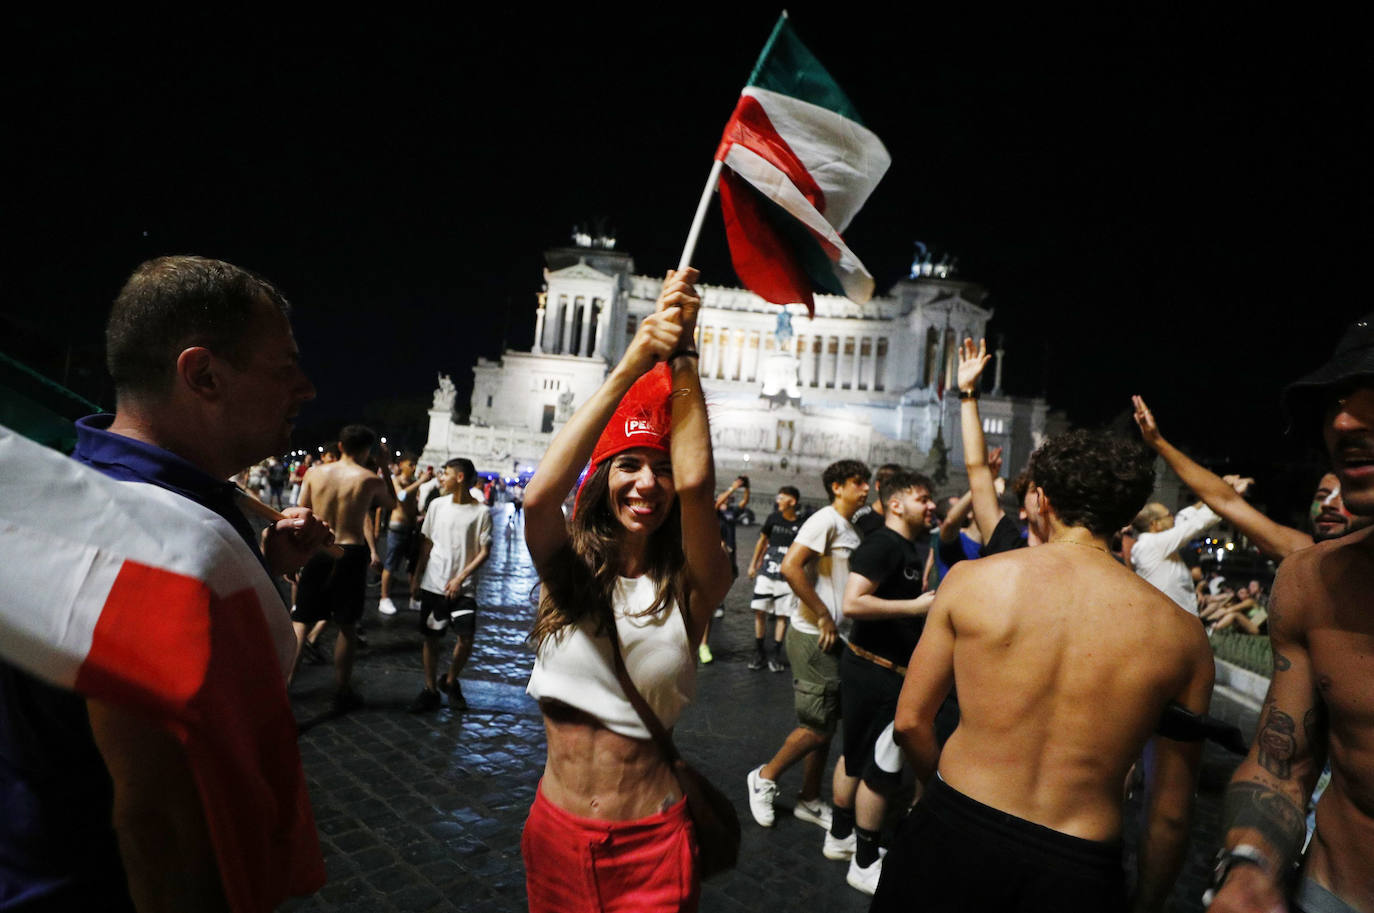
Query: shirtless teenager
{"type": "Point", "coordinates": [342, 493]}
{"type": "Point", "coordinates": [1022, 808]}
{"type": "Point", "coordinates": [402, 526]}
{"type": "Point", "coordinates": [1320, 704]}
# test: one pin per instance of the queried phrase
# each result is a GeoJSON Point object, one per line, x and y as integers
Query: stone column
{"type": "Point", "coordinates": [538, 331]}
{"type": "Point", "coordinates": [602, 317]}
{"type": "Point", "coordinates": [569, 314]}
{"type": "Point", "coordinates": [585, 348]}
{"type": "Point", "coordinates": [997, 375]}
{"type": "Point", "coordinates": [858, 353]}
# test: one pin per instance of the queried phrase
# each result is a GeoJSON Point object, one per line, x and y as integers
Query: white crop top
{"type": "Point", "coordinates": [576, 668]}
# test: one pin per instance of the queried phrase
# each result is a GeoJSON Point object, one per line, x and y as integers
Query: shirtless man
{"type": "Point", "coordinates": [1022, 809]}
{"type": "Point", "coordinates": [402, 526]}
{"type": "Point", "coordinates": [1320, 704]}
{"type": "Point", "coordinates": [342, 494]}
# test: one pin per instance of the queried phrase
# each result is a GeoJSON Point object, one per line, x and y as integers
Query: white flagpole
{"type": "Point", "coordinates": [691, 246]}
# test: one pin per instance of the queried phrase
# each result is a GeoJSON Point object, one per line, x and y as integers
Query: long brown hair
{"type": "Point", "coordinates": [579, 580]}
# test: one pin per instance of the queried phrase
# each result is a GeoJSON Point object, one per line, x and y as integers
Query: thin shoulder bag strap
{"type": "Point", "coordinates": [646, 713]}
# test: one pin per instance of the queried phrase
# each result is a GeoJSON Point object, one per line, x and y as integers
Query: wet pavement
{"type": "Point", "coordinates": [424, 812]}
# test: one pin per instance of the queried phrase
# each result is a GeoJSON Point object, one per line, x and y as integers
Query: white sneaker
{"type": "Point", "coordinates": [865, 880]}
{"type": "Point", "coordinates": [414, 605]}
{"type": "Point", "coordinates": [816, 812]}
{"type": "Point", "coordinates": [386, 606]}
{"type": "Point", "coordinates": [834, 848]}
{"type": "Point", "coordinates": [761, 795]}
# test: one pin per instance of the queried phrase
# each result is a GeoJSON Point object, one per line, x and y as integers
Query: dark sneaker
{"type": "Point", "coordinates": [345, 701]}
{"type": "Point", "coordinates": [456, 701]}
{"type": "Point", "coordinates": [425, 702]}
{"type": "Point", "coordinates": [756, 663]}
{"type": "Point", "coordinates": [313, 654]}
{"type": "Point", "coordinates": [775, 665]}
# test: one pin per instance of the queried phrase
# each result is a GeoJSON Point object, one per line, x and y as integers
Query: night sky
{"type": "Point", "coordinates": [1176, 205]}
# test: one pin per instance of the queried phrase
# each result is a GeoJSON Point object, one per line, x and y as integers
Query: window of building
{"type": "Point", "coordinates": [865, 360]}
{"type": "Point", "coordinates": [846, 365]}
{"type": "Point", "coordinates": [880, 365]}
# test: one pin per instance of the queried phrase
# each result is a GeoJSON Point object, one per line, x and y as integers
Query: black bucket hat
{"type": "Point", "coordinates": [1353, 360]}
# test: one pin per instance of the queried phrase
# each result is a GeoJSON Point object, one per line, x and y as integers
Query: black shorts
{"type": "Point", "coordinates": [438, 613]}
{"type": "Point", "coordinates": [955, 855]}
{"type": "Point", "coordinates": [333, 588]}
{"type": "Point", "coordinates": [868, 703]}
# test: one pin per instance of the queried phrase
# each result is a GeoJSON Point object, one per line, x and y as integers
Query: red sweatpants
{"type": "Point", "coordinates": [582, 865]}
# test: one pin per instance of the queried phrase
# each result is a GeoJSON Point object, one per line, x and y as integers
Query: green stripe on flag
{"type": "Point", "coordinates": [818, 266]}
{"type": "Point", "coordinates": [787, 67]}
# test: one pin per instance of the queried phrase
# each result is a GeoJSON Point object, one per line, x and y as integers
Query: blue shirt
{"type": "Point", "coordinates": [57, 847]}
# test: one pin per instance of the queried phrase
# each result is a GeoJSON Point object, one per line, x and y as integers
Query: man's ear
{"type": "Point", "coordinates": [198, 372]}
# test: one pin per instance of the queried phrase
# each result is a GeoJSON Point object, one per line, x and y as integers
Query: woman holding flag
{"type": "Point", "coordinates": [637, 571]}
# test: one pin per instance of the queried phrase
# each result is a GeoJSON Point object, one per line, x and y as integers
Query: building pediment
{"type": "Point", "coordinates": [577, 271]}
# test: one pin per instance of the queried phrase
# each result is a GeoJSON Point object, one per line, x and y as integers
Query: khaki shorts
{"type": "Point", "coordinates": [815, 682]}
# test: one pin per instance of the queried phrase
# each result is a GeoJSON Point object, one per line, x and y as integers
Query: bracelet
{"type": "Point", "coordinates": [690, 353]}
{"type": "Point", "coordinates": [968, 394]}
{"type": "Point", "coordinates": [680, 391]}
{"type": "Point", "coordinates": [1242, 854]}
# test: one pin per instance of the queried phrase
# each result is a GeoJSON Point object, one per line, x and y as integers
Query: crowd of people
{"type": "Point", "coordinates": [999, 663]}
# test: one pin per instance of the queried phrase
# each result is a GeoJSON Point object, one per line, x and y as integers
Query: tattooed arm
{"type": "Point", "coordinates": [1266, 803]}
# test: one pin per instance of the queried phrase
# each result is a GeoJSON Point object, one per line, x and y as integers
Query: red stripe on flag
{"type": "Point", "coordinates": [750, 127]}
{"type": "Point", "coordinates": [763, 259]}
{"type": "Point", "coordinates": [152, 651]}
{"type": "Point", "coordinates": [151, 645]}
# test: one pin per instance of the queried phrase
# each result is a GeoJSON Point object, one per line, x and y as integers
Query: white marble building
{"type": "Point", "coordinates": [787, 394]}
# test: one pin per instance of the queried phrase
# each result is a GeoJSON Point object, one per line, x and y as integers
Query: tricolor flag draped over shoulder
{"type": "Point", "coordinates": [798, 165]}
{"type": "Point", "coordinates": [129, 594]}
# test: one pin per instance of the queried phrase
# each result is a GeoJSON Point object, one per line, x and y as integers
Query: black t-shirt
{"type": "Point", "coordinates": [779, 531]}
{"type": "Point", "coordinates": [1006, 536]}
{"type": "Point", "coordinates": [895, 564]}
{"type": "Point", "coordinates": [866, 521]}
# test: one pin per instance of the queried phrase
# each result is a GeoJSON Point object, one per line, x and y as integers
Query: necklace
{"type": "Point", "coordinates": [1096, 548]}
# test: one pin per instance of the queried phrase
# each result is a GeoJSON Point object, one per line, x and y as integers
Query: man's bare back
{"type": "Point", "coordinates": [343, 493]}
{"type": "Point", "coordinates": [1065, 661]}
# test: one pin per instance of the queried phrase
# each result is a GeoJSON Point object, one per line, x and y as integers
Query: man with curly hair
{"type": "Point", "coordinates": [1022, 807]}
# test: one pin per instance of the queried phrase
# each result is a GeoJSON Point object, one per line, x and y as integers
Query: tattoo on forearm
{"type": "Point", "coordinates": [1278, 743]}
{"type": "Point", "coordinates": [1281, 823]}
{"type": "Point", "coordinates": [1281, 662]}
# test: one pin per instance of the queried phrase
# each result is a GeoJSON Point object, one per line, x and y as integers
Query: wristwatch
{"type": "Point", "coordinates": [1241, 854]}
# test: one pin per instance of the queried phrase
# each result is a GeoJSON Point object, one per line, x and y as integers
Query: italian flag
{"type": "Point", "coordinates": [129, 594]}
{"type": "Point", "coordinates": [799, 164]}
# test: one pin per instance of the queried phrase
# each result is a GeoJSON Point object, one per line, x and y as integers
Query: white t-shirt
{"type": "Point", "coordinates": [1155, 555]}
{"type": "Point", "coordinates": [575, 667]}
{"type": "Point", "coordinates": [458, 531]}
{"type": "Point", "coordinates": [832, 537]}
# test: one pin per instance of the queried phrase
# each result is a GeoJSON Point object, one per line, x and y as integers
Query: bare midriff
{"type": "Point", "coordinates": [593, 772]}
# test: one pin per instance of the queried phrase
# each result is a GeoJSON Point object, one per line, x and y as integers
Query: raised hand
{"type": "Point", "coordinates": [1240, 483]}
{"type": "Point", "coordinates": [995, 462]}
{"type": "Point", "coordinates": [972, 361]}
{"type": "Point", "coordinates": [1145, 419]}
{"type": "Point", "coordinates": [663, 331]}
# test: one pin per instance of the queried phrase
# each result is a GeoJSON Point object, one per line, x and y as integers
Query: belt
{"type": "Point", "coordinates": [875, 659]}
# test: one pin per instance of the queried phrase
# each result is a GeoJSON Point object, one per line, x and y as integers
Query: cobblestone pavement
{"type": "Point", "coordinates": [424, 812]}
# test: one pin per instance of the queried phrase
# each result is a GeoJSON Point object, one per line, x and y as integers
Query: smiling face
{"type": "Point", "coordinates": [1330, 519]}
{"type": "Point", "coordinates": [914, 506]}
{"type": "Point", "coordinates": [640, 489]}
{"type": "Point", "coordinates": [1349, 435]}
{"type": "Point", "coordinates": [785, 502]}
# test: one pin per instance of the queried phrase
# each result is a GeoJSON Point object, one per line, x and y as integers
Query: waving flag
{"type": "Point", "coordinates": [798, 165]}
{"type": "Point", "coordinates": [135, 596]}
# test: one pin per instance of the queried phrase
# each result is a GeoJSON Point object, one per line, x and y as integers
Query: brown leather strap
{"type": "Point", "coordinates": [876, 659]}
